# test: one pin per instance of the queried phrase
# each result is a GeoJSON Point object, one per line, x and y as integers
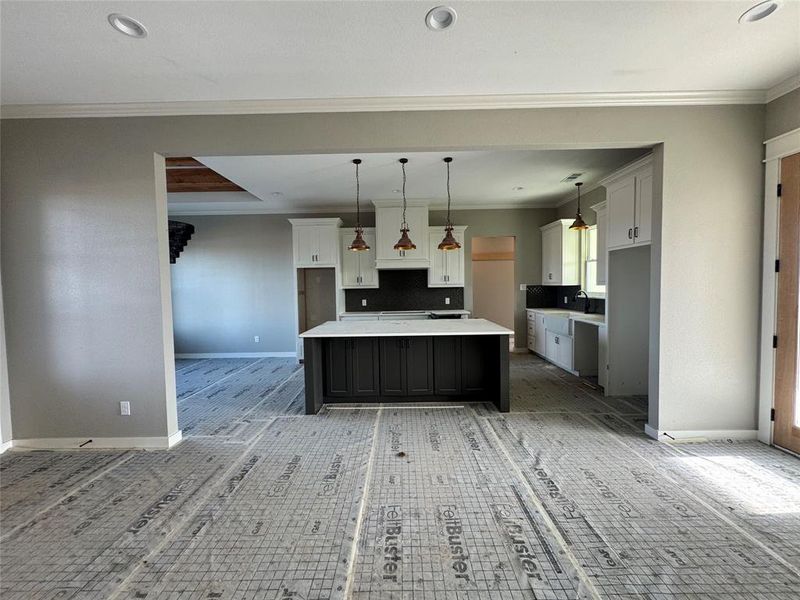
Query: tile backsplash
{"type": "Point", "coordinates": [403, 289]}
{"type": "Point", "coordinates": [552, 296]}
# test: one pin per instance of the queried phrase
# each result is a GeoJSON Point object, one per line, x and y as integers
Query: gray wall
{"type": "Point", "coordinates": [783, 114]}
{"type": "Point", "coordinates": [82, 260]}
{"type": "Point", "coordinates": [234, 281]}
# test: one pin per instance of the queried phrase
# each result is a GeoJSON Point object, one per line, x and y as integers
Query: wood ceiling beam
{"type": "Point", "coordinates": [190, 179]}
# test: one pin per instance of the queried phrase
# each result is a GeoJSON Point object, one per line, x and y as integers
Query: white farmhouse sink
{"type": "Point", "coordinates": [558, 323]}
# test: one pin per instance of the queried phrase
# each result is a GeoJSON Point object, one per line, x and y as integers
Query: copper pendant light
{"type": "Point", "coordinates": [404, 243]}
{"type": "Point", "coordinates": [579, 223]}
{"type": "Point", "coordinates": [449, 242]}
{"type": "Point", "coordinates": [358, 245]}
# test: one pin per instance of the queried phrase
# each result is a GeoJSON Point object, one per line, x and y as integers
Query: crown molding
{"type": "Point", "coordinates": [784, 87]}
{"type": "Point", "coordinates": [379, 104]}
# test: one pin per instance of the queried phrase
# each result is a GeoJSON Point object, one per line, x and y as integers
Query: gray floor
{"type": "Point", "coordinates": [562, 498]}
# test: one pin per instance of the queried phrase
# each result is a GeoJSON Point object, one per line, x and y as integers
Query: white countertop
{"type": "Point", "coordinates": [574, 315]}
{"type": "Point", "coordinates": [365, 313]}
{"type": "Point", "coordinates": [422, 327]}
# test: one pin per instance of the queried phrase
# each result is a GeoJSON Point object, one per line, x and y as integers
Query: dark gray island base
{"type": "Point", "coordinates": [446, 366]}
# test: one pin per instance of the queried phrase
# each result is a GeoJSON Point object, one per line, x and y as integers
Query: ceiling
{"type": "Point", "coordinates": [326, 182]}
{"type": "Point", "coordinates": [66, 52]}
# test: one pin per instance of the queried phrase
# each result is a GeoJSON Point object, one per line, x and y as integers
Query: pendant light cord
{"type": "Point", "coordinates": [405, 225]}
{"type": "Point", "coordinates": [358, 205]}
{"type": "Point", "coordinates": [448, 192]}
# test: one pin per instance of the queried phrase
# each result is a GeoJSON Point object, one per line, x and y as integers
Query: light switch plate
{"type": "Point", "coordinates": [125, 408]}
{"type": "Point", "coordinates": [447, 300]}
{"type": "Point", "coordinates": [523, 287]}
{"type": "Point", "coordinates": [256, 338]}
{"type": "Point", "coordinates": [363, 302]}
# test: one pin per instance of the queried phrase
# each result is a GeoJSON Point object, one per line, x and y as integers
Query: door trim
{"type": "Point", "coordinates": [776, 149]}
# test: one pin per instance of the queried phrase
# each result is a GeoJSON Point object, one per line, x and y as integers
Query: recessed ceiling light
{"type": "Point", "coordinates": [518, 188]}
{"type": "Point", "coordinates": [276, 194]}
{"type": "Point", "coordinates": [127, 25]}
{"type": "Point", "coordinates": [760, 11]}
{"type": "Point", "coordinates": [396, 191]}
{"type": "Point", "coordinates": [440, 18]}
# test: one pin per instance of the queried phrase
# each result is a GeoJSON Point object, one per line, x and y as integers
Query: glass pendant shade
{"type": "Point", "coordinates": [358, 244]}
{"type": "Point", "coordinates": [579, 223]}
{"type": "Point", "coordinates": [449, 242]}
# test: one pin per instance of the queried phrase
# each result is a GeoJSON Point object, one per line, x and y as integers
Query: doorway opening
{"type": "Point", "coordinates": [493, 293]}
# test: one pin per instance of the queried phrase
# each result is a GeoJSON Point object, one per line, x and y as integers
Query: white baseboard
{"type": "Point", "coordinates": [127, 443]}
{"type": "Point", "coordinates": [5, 446]}
{"type": "Point", "coordinates": [707, 435]}
{"type": "Point", "coordinates": [238, 355]}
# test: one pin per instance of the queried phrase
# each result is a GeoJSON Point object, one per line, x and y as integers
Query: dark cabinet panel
{"type": "Point", "coordinates": [338, 368]}
{"type": "Point", "coordinates": [366, 371]}
{"type": "Point", "coordinates": [478, 365]}
{"type": "Point", "coordinates": [419, 366]}
{"type": "Point", "coordinates": [447, 365]}
{"type": "Point", "coordinates": [393, 366]}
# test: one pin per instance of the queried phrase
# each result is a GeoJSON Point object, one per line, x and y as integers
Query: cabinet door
{"type": "Point", "coordinates": [540, 346]}
{"type": "Point", "coordinates": [447, 365]}
{"type": "Point", "coordinates": [327, 244]}
{"type": "Point", "coordinates": [621, 200]}
{"type": "Point", "coordinates": [644, 208]}
{"type": "Point", "coordinates": [476, 364]}
{"type": "Point", "coordinates": [419, 366]}
{"type": "Point", "coordinates": [564, 345]}
{"type": "Point", "coordinates": [366, 376]}
{"type": "Point", "coordinates": [305, 246]}
{"type": "Point", "coordinates": [393, 366]}
{"type": "Point", "coordinates": [551, 347]}
{"type": "Point", "coordinates": [387, 231]}
{"type": "Point", "coordinates": [551, 256]}
{"type": "Point", "coordinates": [454, 263]}
{"type": "Point", "coordinates": [338, 367]}
{"type": "Point", "coordinates": [350, 261]}
{"type": "Point", "coordinates": [437, 274]}
{"type": "Point", "coordinates": [366, 262]}
{"type": "Point", "coordinates": [602, 247]}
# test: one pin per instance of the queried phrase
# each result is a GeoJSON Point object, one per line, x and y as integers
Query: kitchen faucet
{"type": "Point", "coordinates": [586, 301]}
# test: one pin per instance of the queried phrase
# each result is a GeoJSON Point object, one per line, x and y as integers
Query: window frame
{"type": "Point", "coordinates": [585, 260]}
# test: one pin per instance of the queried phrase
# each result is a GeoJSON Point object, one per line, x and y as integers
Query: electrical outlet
{"type": "Point", "coordinates": [256, 338]}
{"type": "Point", "coordinates": [566, 300]}
{"type": "Point", "coordinates": [363, 302]}
{"type": "Point", "coordinates": [447, 300]}
{"type": "Point", "coordinates": [523, 287]}
{"type": "Point", "coordinates": [125, 409]}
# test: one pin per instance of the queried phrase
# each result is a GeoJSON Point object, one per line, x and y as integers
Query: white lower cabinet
{"type": "Point", "coordinates": [536, 333]}
{"type": "Point", "coordinates": [558, 350]}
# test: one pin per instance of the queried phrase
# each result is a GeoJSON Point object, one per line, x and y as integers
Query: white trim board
{"type": "Point", "coordinates": [140, 443]}
{"type": "Point", "coordinates": [784, 87]}
{"type": "Point", "coordinates": [237, 355]}
{"type": "Point", "coordinates": [700, 435]}
{"type": "Point", "coordinates": [380, 104]}
{"type": "Point", "coordinates": [5, 446]}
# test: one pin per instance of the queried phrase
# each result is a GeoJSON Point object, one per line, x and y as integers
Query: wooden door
{"type": "Point", "coordinates": [786, 432]}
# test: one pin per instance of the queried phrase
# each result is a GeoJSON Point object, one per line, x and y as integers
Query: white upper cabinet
{"type": "Point", "coordinates": [629, 198]}
{"type": "Point", "coordinates": [447, 266]}
{"type": "Point", "coordinates": [388, 219]}
{"type": "Point", "coordinates": [602, 242]}
{"type": "Point", "coordinates": [315, 242]}
{"type": "Point", "coordinates": [358, 268]}
{"type": "Point", "coordinates": [560, 253]}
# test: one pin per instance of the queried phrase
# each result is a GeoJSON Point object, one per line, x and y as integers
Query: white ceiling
{"type": "Point", "coordinates": [326, 182]}
{"type": "Point", "coordinates": [66, 52]}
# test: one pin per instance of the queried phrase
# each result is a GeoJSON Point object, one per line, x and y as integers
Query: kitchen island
{"type": "Point", "coordinates": [416, 360]}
